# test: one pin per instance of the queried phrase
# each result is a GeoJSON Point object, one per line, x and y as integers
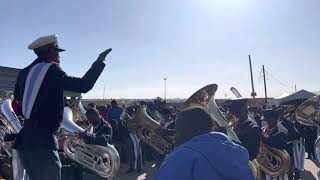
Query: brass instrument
{"type": "Point", "coordinates": [308, 113]}
{"type": "Point", "coordinates": [11, 125]}
{"type": "Point", "coordinates": [146, 128]}
{"type": "Point", "coordinates": [205, 98]}
{"type": "Point", "coordinates": [101, 160]}
{"type": "Point", "coordinates": [272, 161]}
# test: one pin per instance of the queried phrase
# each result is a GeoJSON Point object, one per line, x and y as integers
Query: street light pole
{"type": "Point", "coordinates": [165, 88]}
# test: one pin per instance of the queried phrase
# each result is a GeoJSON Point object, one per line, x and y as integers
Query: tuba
{"type": "Point", "coordinates": [308, 113]}
{"type": "Point", "coordinates": [101, 160]}
{"type": "Point", "coordinates": [205, 98]}
{"type": "Point", "coordinates": [272, 161]}
{"type": "Point", "coordinates": [146, 128]}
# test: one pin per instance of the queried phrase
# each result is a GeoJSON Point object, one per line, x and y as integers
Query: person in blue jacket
{"type": "Point", "coordinates": [203, 154]}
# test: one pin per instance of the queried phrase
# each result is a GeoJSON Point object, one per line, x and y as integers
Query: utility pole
{"type": "Point", "coordinates": [253, 94]}
{"type": "Point", "coordinates": [295, 88]}
{"type": "Point", "coordinates": [265, 85]}
{"type": "Point", "coordinates": [165, 88]}
{"type": "Point", "coordinates": [104, 90]}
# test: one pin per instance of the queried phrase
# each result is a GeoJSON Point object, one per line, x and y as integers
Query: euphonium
{"type": "Point", "coordinates": [146, 128]}
{"type": "Point", "coordinates": [101, 160]}
{"type": "Point", "coordinates": [205, 98]}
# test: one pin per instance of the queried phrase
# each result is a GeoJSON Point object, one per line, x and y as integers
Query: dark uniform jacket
{"type": "Point", "coordinates": [102, 134]}
{"type": "Point", "coordinates": [250, 135]}
{"type": "Point", "coordinates": [39, 131]}
{"type": "Point", "coordinates": [277, 139]}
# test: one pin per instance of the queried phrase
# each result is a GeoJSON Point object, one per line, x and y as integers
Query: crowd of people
{"type": "Point", "coordinates": [275, 127]}
{"type": "Point", "coordinates": [201, 147]}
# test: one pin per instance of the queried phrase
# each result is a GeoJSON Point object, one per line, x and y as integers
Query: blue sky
{"type": "Point", "coordinates": [191, 42]}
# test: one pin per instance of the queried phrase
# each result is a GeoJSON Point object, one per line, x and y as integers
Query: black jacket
{"type": "Point", "coordinates": [102, 135]}
{"type": "Point", "coordinates": [39, 131]}
{"type": "Point", "coordinates": [277, 139]}
{"type": "Point", "coordinates": [250, 135]}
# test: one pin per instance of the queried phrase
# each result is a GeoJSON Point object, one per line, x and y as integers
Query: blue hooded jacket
{"type": "Point", "coordinates": [211, 156]}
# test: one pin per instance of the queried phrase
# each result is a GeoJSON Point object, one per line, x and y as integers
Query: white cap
{"type": "Point", "coordinates": [44, 41]}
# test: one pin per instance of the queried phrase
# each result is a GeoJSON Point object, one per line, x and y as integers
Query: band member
{"type": "Point", "coordinates": [133, 146]}
{"type": "Point", "coordinates": [203, 154]}
{"type": "Point", "coordinates": [40, 88]}
{"type": "Point", "coordinates": [101, 132]}
{"type": "Point", "coordinates": [295, 145]}
{"type": "Point", "coordinates": [115, 111]}
{"type": "Point", "coordinates": [248, 131]}
{"type": "Point", "coordinates": [274, 137]}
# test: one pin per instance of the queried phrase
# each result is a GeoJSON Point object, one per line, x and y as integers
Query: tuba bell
{"type": "Point", "coordinates": [145, 127]}
{"type": "Point", "coordinates": [101, 160]}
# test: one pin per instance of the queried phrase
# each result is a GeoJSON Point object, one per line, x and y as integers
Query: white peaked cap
{"type": "Point", "coordinates": [45, 40]}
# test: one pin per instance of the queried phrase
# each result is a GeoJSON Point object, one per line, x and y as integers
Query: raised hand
{"type": "Point", "coordinates": [102, 56]}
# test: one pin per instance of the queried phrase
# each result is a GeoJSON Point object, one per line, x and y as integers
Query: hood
{"type": "Point", "coordinates": [228, 159]}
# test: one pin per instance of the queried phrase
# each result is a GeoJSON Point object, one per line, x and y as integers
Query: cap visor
{"type": "Point", "coordinates": [60, 49]}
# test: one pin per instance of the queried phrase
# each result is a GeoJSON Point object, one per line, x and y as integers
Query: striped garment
{"type": "Point", "coordinates": [299, 154]}
{"type": "Point", "coordinates": [136, 148]}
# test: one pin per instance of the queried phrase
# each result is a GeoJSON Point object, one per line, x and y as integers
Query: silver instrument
{"type": "Point", "coordinates": [104, 161]}
{"type": "Point", "coordinates": [11, 125]}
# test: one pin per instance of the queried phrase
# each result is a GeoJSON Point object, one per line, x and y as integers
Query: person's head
{"type": "Point", "coordinates": [47, 48]}
{"type": "Point", "coordinates": [191, 122]}
{"type": "Point", "coordinates": [93, 116]}
{"type": "Point", "coordinates": [239, 108]}
{"type": "Point", "coordinates": [271, 117]}
{"type": "Point", "coordinates": [91, 106]}
{"type": "Point", "coordinates": [114, 103]}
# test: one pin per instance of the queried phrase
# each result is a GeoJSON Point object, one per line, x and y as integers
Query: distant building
{"type": "Point", "coordinates": [8, 78]}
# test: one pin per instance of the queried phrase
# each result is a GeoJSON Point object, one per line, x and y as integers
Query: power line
{"type": "Point", "coordinates": [268, 73]}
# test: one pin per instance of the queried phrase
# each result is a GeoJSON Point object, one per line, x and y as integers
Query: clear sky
{"type": "Point", "coordinates": [191, 42]}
